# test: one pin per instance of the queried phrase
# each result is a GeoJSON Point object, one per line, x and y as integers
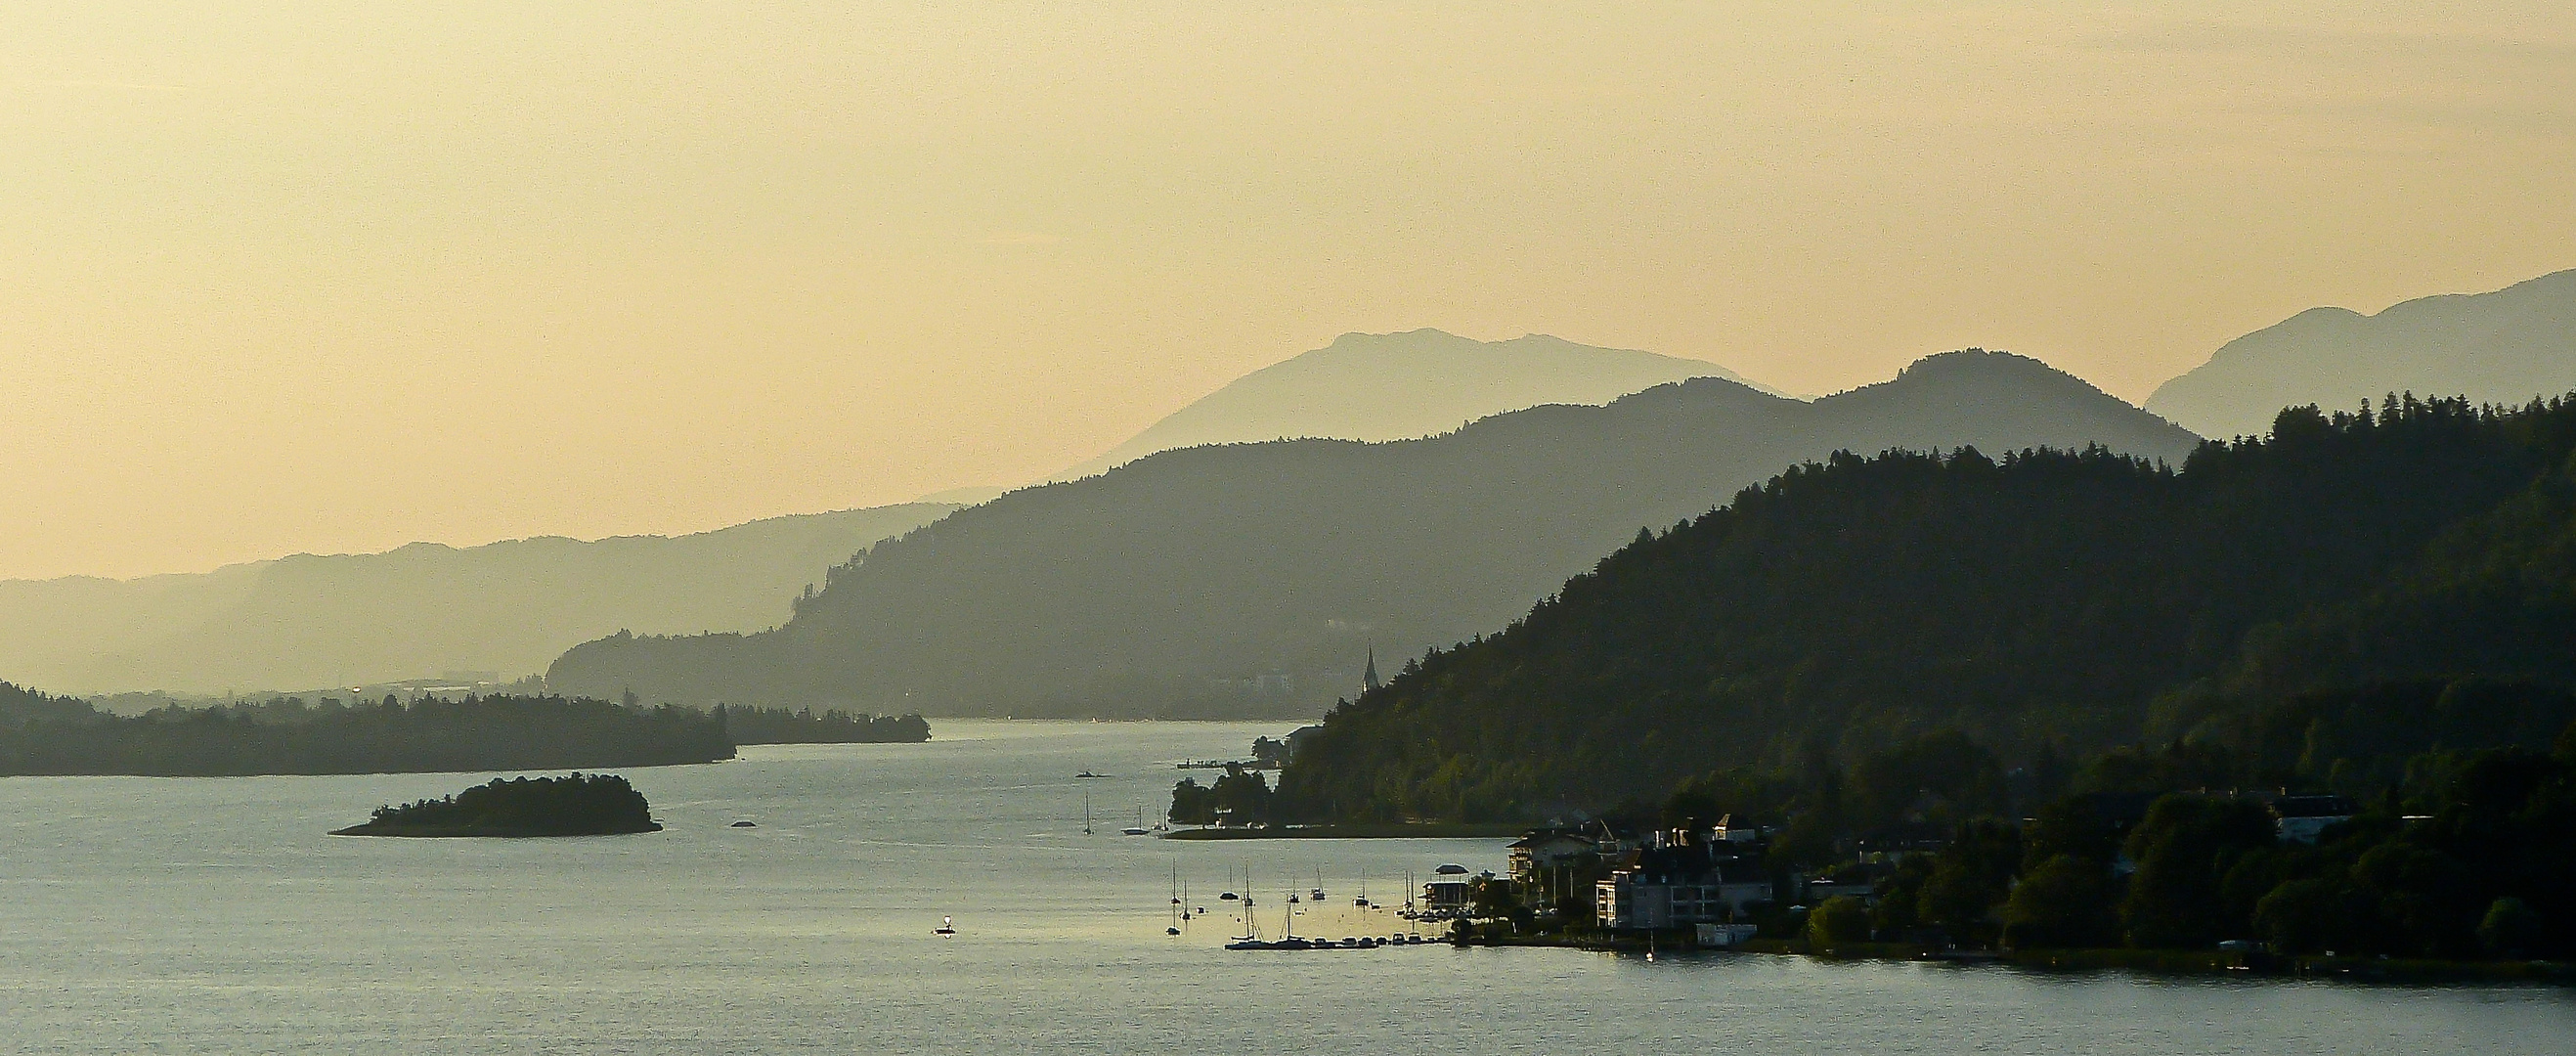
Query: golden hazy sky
{"type": "Point", "coordinates": [296, 276]}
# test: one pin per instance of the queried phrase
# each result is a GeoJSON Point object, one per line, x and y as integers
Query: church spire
{"type": "Point", "coordinates": [1369, 678]}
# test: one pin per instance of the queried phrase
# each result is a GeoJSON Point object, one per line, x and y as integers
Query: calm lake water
{"type": "Point", "coordinates": [213, 916]}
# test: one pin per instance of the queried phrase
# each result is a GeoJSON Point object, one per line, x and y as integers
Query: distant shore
{"type": "Point", "coordinates": [1390, 831]}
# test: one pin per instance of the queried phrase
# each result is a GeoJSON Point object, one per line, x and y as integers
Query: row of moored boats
{"type": "Point", "coordinates": [1364, 942]}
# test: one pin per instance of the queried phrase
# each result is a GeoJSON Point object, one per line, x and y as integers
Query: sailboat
{"type": "Point", "coordinates": [1288, 939]}
{"type": "Point", "coordinates": [1318, 893]}
{"type": "Point", "coordinates": [1177, 914]}
{"type": "Point", "coordinates": [1251, 939]}
{"type": "Point", "coordinates": [1139, 830]}
{"type": "Point", "coordinates": [1362, 900]}
{"type": "Point", "coordinates": [1086, 812]}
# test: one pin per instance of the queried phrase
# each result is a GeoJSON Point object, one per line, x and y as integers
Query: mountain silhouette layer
{"type": "Point", "coordinates": [1254, 579]}
{"type": "Point", "coordinates": [421, 611]}
{"type": "Point", "coordinates": [2506, 347]}
{"type": "Point", "coordinates": [1401, 386]}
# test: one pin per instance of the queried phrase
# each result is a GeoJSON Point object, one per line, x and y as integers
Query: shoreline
{"type": "Point", "coordinates": [472, 832]}
{"type": "Point", "coordinates": [2184, 963]}
{"type": "Point", "coordinates": [1392, 831]}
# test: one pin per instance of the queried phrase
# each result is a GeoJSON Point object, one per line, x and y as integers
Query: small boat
{"type": "Point", "coordinates": [744, 825]}
{"type": "Point", "coordinates": [1089, 775]}
{"type": "Point", "coordinates": [947, 926]}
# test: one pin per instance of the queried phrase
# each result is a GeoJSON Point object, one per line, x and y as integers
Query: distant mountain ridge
{"type": "Point", "coordinates": [2509, 346]}
{"type": "Point", "coordinates": [1402, 386]}
{"type": "Point", "coordinates": [1251, 579]}
{"type": "Point", "coordinates": [422, 610]}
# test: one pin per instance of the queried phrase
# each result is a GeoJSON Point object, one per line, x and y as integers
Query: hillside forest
{"type": "Point", "coordinates": [2313, 608]}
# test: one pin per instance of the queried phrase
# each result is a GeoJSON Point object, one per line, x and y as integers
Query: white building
{"type": "Point", "coordinates": [1674, 887]}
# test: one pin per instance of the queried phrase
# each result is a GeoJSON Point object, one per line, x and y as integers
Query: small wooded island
{"type": "Point", "coordinates": [579, 805]}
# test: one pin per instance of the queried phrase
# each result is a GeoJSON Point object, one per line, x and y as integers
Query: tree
{"type": "Point", "coordinates": [2183, 848]}
{"type": "Point", "coordinates": [1192, 804]}
{"type": "Point", "coordinates": [2064, 903]}
{"type": "Point", "coordinates": [1941, 778]}
{"type": "Point", "coordinates": [1969, 878]}
{"type": "Point", "coordinates": [2314, 915]}
{"type": "Point", "coordinates": [2511, 927]}
{"type": "Point", "coordinates": [2068, 826]}
{"type": "Point", "coordinates": [1900, 896]}
{"type": "Point", "coordinates": [1241, 797]}
{"type": "Point", "coordinates": [1841, 920]}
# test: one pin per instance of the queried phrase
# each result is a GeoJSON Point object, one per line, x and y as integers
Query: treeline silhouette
{"type": "Point", "coordinates": [579, 805]}
{"type": "Point", "coordinates": [54, 735]}
{"type": "Point", "coordinates": [752, 725]}
{"type": "Point", "coordinates": [1239, 797]}
{"type": "Point", "coordinates": [2385, 571]}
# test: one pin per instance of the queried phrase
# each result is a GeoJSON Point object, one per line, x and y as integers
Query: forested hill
{"type": "Point", "coordinates": [1254, 579]}
{"type": "Point", "coordinates": [2044, 604]}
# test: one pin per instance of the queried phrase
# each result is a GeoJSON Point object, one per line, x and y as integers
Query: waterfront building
{"type": "Point", "coordinates": [1680, 884]}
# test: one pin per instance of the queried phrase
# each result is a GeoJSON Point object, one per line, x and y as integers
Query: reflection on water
{"type": "Point", "coordinates": [212, 915]}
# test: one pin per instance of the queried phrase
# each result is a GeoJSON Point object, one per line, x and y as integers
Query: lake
{"type": "Point", "coordinates": [158, 915]}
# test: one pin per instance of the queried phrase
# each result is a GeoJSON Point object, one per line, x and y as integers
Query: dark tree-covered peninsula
{"type": "Point", "coordinates": [579, 805]}
{"type": "Point", "coordinates": [42, 734]}
{"type": "Point", "coordinates": [2321, 604]}
{"type": "Point", "coordinates": [754, 725]}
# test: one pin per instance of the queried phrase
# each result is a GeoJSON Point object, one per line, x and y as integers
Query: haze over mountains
{"type": "Point", "coordinates": [510, 608]}
{"type": "Point", "coordinates": [1401, 386]}
{"type": "Point", "coordinates": [2507, 347]}
{"type": "Point", "coordinates": [420, 611]}
{"type": "Point", "coordinates": [1255, 578]}
{"type": "Point", "coordinates": [1378, 544]}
